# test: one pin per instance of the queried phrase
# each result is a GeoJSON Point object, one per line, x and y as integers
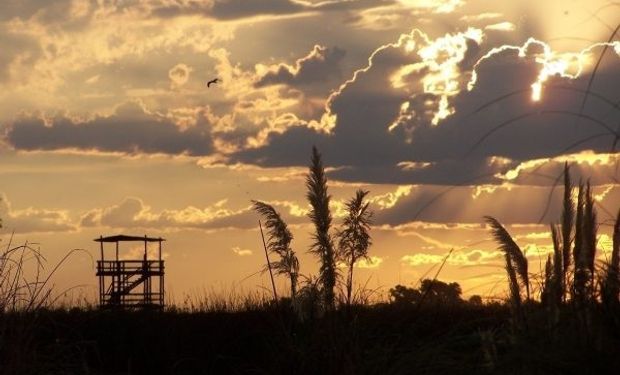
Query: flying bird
{"type": "Point", "coordinates": [213, 81]}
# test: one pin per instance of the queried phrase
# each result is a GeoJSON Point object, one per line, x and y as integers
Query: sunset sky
{"type": "Point", "coordinates": [107, 127]}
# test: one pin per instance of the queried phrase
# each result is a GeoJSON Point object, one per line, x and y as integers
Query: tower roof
{"type": "Point", "coordinates": [125, 238]}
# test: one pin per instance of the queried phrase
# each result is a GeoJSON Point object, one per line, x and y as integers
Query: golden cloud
{"type": "Point", "coordinates": [179, 75]}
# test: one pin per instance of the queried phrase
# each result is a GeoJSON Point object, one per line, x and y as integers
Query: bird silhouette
{"type": "Point", "coordinates": [213, 81]}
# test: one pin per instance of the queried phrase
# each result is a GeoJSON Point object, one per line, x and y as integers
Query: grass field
{"type": "Point", "coordinates": [270, 339]}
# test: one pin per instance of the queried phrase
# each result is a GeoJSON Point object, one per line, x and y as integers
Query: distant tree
{"type": "Point", "coordinates": [475, 300]}
{"type": "Point", "coordinates": [279, 242]}
{"type": "Point", "coordinates": [402, 295]}
{"type": "Point", "coordinates": [439, 292]}
{"type": "Point", "coordinates": [323, 246]}
{"type": "Point", "coordinates": [431, 291]}
{"type": "Point", "coordinates": [354, 238]}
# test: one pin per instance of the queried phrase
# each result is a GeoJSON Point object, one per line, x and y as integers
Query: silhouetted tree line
{"type": "Point", "coordinates": [431, 292]}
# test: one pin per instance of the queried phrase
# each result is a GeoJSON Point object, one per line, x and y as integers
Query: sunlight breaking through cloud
{"type": "Point", "coordinates": [457, 258]}
{"type": "Point", "coordinates": [566, 65]}
{"type": "Point", "coordinates": [371, 262]}
{"type": "Point", "coordinates": [390, 199]}
{"type": "Point", "coordinates": [438, 67]}
{"type": "Point", "coordinates": [241, 252]}
{"type": "Point", "coordinates": [437, 6]}
{"type": "Point", "coordinates": [586, 157]}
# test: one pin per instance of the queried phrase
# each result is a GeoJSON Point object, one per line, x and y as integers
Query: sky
{"type": "Point", "coordinates": [445, 111]}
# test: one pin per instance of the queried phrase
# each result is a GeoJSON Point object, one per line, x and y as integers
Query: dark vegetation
{"type": "Point", "coordinates": [564, 321]}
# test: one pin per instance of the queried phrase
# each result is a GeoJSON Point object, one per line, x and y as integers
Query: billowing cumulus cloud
{"type": "Point", "coordinates": [320, 65]}
{"type": "Point", "coordinates": [179, 74]}
{"type": "Point", "coordinates": [385, 122]}
{"type": "Point", "coordinates": [371, 262]}
{"type": "Point", "coordinates": [34, 220]}
{"type": "Point", "coordinates": [241, 252]}
{"type": "Point", "coordinates": [134, 213]}
{"type": "Point", "coordinates": [456, 258]}
{"type": "Point", "coordinates": [131, 129]}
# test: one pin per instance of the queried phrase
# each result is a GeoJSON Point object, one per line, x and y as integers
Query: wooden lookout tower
{"type": "Point", "coordinates": [130, 283]}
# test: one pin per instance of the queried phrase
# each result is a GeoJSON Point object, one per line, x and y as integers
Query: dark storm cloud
{"type": "Point", "coordinates": [232, 9]}
{"type": "Point", "coordinates": [460, 147]}
{"type": "Point", "coordinates": [237, 9]}
{"type": "Point", "coordinates": [129, 130]}
{"type": "Point", "coordinates": [320, 65]}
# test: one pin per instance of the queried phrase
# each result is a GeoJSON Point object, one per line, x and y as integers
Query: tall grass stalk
{"type": "Point", "coordinates": [557, 286]}
{"type": "Point", "coordinates": [279, 239]}
{"type": "Point", "coordinates": [321, 217]}
{"type": "Point", "coordinates": [516, 265]}
{"type": "Point", "coordinates": [515, 255]}
{"type": "Point", "coordinates": [567, 220]}
{"type": "Point", "coordinates": [578, 289]}
{"type": "Point", "coordinates": [354, 238]}
{"type": "Point", "coordinates": [611, 281]}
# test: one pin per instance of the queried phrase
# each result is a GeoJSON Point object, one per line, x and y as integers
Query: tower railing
{"type": "Point", "coordinates": [130, 283]}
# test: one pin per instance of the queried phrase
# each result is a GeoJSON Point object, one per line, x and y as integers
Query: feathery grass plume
{"type": "Point", "coordinates": [515, 292]}
{"type": "Point", "coordinates": [568, 218]}
{"type": "Point", "coordinates": [321, 217]}
{"type": "Point", "coordinates": [309, 300]}
{"type": "Point", "coordinates": [515, 256]}
{"type": "Point", "coordinates": [610, 285]}
{"type": "Point", "coordinates": [279, 242]}
{"type": "Point", "coordinates": [589, 238]}
{"type": "Point", "coordinates": [579, 279]}
{"type": "Point", "coordinates": [615, 253]}
{"type": "Point", "coordinates": [558, 273]}
{"type": "Point", "coordinates": [516, 263]}
{"type": "Point", "coordinates": [354, 238]}
{"type": "Point", "coordinates": [585, 245]}
{"type": "Point", "coordinates": [546, 294]}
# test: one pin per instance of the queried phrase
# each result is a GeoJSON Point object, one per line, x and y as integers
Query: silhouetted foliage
{"type": "Point", "coordinates": [402, 295]}
{"type": "Point", "coordinates": [279, 242]}
{"type": "Point", "coordinates": [320, 214]}
{"type": "Point", "coordinates": [436, 291]}
{"type": "Point", "coordinates": [584, 251]}
{"type": "Point", "coordinates": [431, 292]}
{"type": "Point", "coordinates": [354, 238]}
{"type": "Point", "coordinates": [567, 220]}
{"type": "Point", "coordinates": [579, 281]}
{"type": "Point", "coordinates": [610, 287]}
{"type": "Point", "coordinates": [475, 300]}
{"type": "Point", "coordinates": [516, 262]}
